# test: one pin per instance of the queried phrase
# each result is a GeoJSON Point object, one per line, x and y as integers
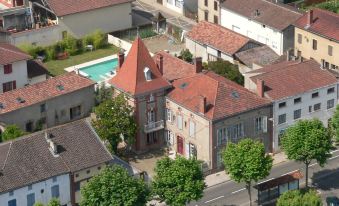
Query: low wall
{"type": "Point", "coordinates": [119, 42]}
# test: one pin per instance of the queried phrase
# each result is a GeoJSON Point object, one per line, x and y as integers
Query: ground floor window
{"type": "Point", "coordinates": [75, 112]}
{"type": "Point", "coordinates": [169, 137]}
{"type": "Point", "coordinates": [8, 86]}
{"type": "Point", "coordinates": [29, 126]}
{"type": "Point", "coordinates": [219, 158]}
{"type": "Point", "coordinates": [152, 138]}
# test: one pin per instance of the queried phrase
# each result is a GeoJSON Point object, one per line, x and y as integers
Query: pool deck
{"type": "Point", "coordinates": [90, 63]}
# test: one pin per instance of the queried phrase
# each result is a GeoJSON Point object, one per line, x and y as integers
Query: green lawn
{"type": "Point", "coordinates": [56, 67]}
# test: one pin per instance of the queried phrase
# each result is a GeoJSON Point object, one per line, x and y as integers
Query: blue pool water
{"type": "Point", "coordinates": [98, 72]}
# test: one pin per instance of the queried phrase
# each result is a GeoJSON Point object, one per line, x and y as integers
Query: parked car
{"type": "Point", "coordinates": [332, 201]}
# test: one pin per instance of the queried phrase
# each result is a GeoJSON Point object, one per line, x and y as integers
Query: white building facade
{"type": "Point", "coordinates": [13, 76]}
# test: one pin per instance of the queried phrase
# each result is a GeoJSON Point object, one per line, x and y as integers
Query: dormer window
{"type": "Point", "coordinates": [148, 74]}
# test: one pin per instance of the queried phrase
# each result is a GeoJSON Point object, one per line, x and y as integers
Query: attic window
{"type": "Point", "coordinates": [20, 100]}
{"type": "Point", "coordinates": [60, 87]}
{"type": "Point", "coordinates": [183, 85]}
{"type": "Point", "coordinates": [148, 73]}
{"type": "Point", "coordinates": [235, 94]}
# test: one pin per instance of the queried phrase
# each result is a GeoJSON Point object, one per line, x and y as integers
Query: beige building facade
{"type": "Point", "coordinates": [209, 10]}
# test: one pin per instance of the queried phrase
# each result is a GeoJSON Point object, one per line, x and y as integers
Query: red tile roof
{"type": "Point", "coordinates": [325, 23]}
{"type": "Point", "coordinates": [291, 78]}
{"type": "Point", "coordinates": [66, 7]}
{"type": "Point", "coordinates": [175, 68]}
{"type": "Point", "coordinates": [274, 15]}
{"type": "Point", "coordinates": [217, 37]}
{"type": "Point", "coordinates": [10, 54]}
{"type": "Point", "coordinates": [43, 91]}
{"type": "Point", "coordinates": [224, 97]}
{"type": "Point", "coordinates": [131, 77]}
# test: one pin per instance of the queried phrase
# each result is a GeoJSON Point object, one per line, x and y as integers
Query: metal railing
{"type": "Point", "coordinates": [154, 126]}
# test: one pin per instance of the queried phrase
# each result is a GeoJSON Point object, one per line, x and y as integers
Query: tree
{"type": "Point", "coordinates": [305, 141]}
{"type": "Point", "coordinates": [247, 162]}
{"type": "Point", "coordinates": [103, 93]}
{"type": "Point", "coordinates": [38, 204]}
{"type": "Point", "coordinates": [227, 70]}
{"type": "Point", "coordinates": [186, 55]}
{"type": "Point", "coordinates": [54, 202]}
{"type": "Point", "coordinates": [11, 132]}
{"type": "Point", "coordinates": [299, 198]}
{"type": "Point", "coordinates": [114, 187]}
{"type": "Point", "coordinates": [115, 122]}
{"type": "Point", "coordinates": [335, 124]}
{"type": "Point", "coordinates": [178, 181]}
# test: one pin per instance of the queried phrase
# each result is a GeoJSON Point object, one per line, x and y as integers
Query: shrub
{"type": "Point", "coordinates": [12, 132]}
{"type": "Point", "coordinates": [147, 33]}
{"type": "Point", "coordinates": [227, 70]}
{"type": "Point", "coordinates": [186, 55]}
{"type": "Point", "coordinates": [99, 39]}
{"type": "Point", "coordinates": [69, 44]}
{"type": "Point", "coordinates": [32, 50]}
{"type": "Point", "coordinates": [88, 40]}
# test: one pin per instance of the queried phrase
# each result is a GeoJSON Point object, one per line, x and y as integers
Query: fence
{"type": "Point", "coordinates": [119, 42]}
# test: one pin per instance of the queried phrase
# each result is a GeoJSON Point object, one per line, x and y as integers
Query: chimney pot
{"type": "Point", "coordinates": [202, 105]}
{"type": "Point", "coordinates": [310, 17]}
{"type": "Point", "coordinates": [260, 87]}
{"type": "Point", "coordinates": [198, 64]}
{"type": "Point", "coordinates": [160, 63]}
{"type": "Point", "coordinates": [121, 58]}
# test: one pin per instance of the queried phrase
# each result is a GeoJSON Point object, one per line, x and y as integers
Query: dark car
{"type": "Point", "coordinates": [332, 201]}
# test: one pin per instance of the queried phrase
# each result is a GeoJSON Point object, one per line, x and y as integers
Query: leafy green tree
{"type": "Point", "coordinates": [115, 122]}
{"type": "Point", "coordinates": [38, 204]}
{"type": "Point", "coordinates": [12, 132]}
{"type": "Point", "coordinates": [114, 187]}
{"type": "Point", "coordinates": [54, 202]}
{"type": "Point", "coordinates": [305, 141]}
{"type": "Point", "coordinates": [179, 181]}
{"type": "Point", "coordinates": [299, 198]}
{"type": "Point", "coordinates": [247, 162]}
{"type": "Point", "coordinates": [186, 55]}
{"type": "Point", "coordinates": [335, 124]}
{"type": "Point", "coordinates": [227, 70]}
{"type": "Point", "coordinates": [103, 93]}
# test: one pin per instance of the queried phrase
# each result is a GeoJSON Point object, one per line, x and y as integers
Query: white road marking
{"type": "Point", "coordinates": [288, 173]}
{"type": "Point", "coordinates": [311, 165]}
{"type": "Point", "coordinates": [214, 199]}
{"type": "Point", "coordinates": [334, 157]}
{"type": "Point", "coordinates": [238, 190]}
{"type": "Point", "coordinates": [266, 180]}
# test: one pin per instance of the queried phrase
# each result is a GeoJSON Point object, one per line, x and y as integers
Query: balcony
{"type": "Point", "coordinates": [154, 126]}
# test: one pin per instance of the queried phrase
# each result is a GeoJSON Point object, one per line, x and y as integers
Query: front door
{"type": "Point", "coordinates": [180, 143]}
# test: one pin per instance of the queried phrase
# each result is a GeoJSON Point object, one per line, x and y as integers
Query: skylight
{"type": "Point", "coordinates": [2, 106]}
{"type": "Point", "coordinates": [183, 85]}
{"type": "Point", "coordinates": [20, 100]}
{"type": "Point", "coordinates": [60, 87]}
{"type": "Point", "coordinates": [235, 94]}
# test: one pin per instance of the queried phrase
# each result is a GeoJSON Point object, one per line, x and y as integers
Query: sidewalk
{"type": "Point", "coordinates": [221, 177]}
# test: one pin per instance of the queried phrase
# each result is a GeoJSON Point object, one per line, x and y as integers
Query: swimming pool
{"type": "Point", "coordinates": [100, 71]}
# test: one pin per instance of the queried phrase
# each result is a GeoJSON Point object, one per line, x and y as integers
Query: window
{"type": "Point", "coordinates": [151, 138]}
{"type": "Point", "coordinates": [317, 106]}
{"type": "Point", "coordinates": [169, 137]}
{"type": "Point", "coordinates": [8, 86]}
{"type": "Point", "coordinates": [54, 179]}
{"type": "Point", "coordinates": [192, 128]}
{"type": "Point", "coordinates": [215, 19]}
{"type": "Point", "coordinates": [88, 171]}
{"type": "Point", "coordinates": [64, 34]}
{"type": "Point", "coordinates": [330, 50]}
{"type": "Point", "coordinates": [77, 186]}
{"type": "Point", "coordinates": [297, 100]}
{"type": "Point", "coordinates": [297, 114]}
{"type": "Point", "coordinates": [75, 112]}
{"type": "Point", "coordinates": [283, 188]}
{"type": "Point", "coordinates": [280, 135]}
{"type": "Point", "coordinates": [29, 187]}
{"type": "Point", "coordinates": [148, 74]}
{"type": "Point", "coordinates": [282, 104]}
{"type": "Point", "coordinates": [8, 69]}
{"type": "Point", "coordinates": [11, 193]}
{"type": "Point", "coordinates": [282, 119]}
{"type": "Point", "coordinates": [310, 109]}
{"type": "Point", "coordinates": [30, 199]}
{"type": "Point", "coordinates": [215, 5]}
{"type": "Point", "coordinates": [237, 132]}
{"type": "Point", "coordinates": [314, 44]}
{"type": "Point", "coordinates": [12, 202]}
{"type": "Point", "coordinates": [261, 124]}
{"type": "Point", "coordinates": [330, 103]}
{"type": "Point", "coordinates": [300, 38]}
{"type": "Point", "coordinates": [151, 116]}
{"type": "Point", "coordinates": [315, 94]}
{"type": "Point", "coordinates": [206, 15]}
{"type": "Point", "coordinates": [206, 2]}
{"type": "Point", "coordinates": [55, 191]}
{"type": "Point", "coordinates": [179, 122]}
{"type": "Point", "coordinates": [43, 108]}
{"type": "Point", "coordinates": [151, 98]}
{"type": "Point", "coordinates": [219, 158]}
{"type": "Point", "coordinates": [169, 115]}
{"type": "Point", "coordinates": [330, 90]}
{"type": "Point", "coordinates": [29, 126]}
{"type": "Point", "coordinates": [222, 136]}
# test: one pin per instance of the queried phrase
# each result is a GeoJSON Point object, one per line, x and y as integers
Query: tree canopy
{"type": "Point", "coordinates": [299, 198]}
{"type": "Point", "coordinates": [178, 181]}
{"type": "Point", "coordinates": [305, 141]}
{"type": "Point", "coordinates": [335, 124]}
{"type": "Point", "coordinates": [11, 132]}
{"type": "Point", "coordinates": [247, 162]}
{"type": "Point", "coordinates": [186, 55]}
{"type": "Point", "coordinates": [103, 93]}
{"type": "Point", "coordinates": [227, 70]}
{"type": "Point", "coordinates": [114, 187]}
{"type": "Point", "coordinates": [115, 122]}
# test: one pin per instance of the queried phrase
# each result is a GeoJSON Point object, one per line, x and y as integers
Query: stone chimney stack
{"type": "Point", "coordinates": [202, 105]}
{"type": "Point", "coordinates": [260, 87]}
{"type": "Point", "coordinates": [310, 18]}
{"type": "Point", "coordinates": [160, 63]}
{"type": "Point", "coordinates": [121, 58]}
{"type": "Point", "coordinates": [198, 64]}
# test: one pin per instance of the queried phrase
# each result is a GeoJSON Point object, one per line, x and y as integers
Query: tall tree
{"type": "Point", "coordinates": [299, 198]}
{"type": "Point", "coordinates": [247, 162]}
{"type": "Point", "coordinates": [227, 70]}
{"type": "Point", "coordinates": [115, 122]}
{"type": "Point", "coordinates": [305, 141]}
{"type": "Point", "coordinates": [114, 187]}
{"type": "Point", "coordinates": [179, 181]}
{"type": "Point", "coordinates": [12, 132]}
{"type": "Point", "coordinates": [335, 124]}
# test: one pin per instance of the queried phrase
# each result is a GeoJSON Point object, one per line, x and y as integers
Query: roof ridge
{"type": "Point", "coordinates": [283, 6]}
{"type": "Point", "coordinates": [325, 11]}
{"type": "Point", "coordinates": [20, 53]}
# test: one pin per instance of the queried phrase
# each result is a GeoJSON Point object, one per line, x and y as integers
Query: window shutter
{"type": "Point", "coordinates": [192, 129]}
{"type": "Point", "coordinates": [179, 122]}
{"type": "Point", "coordinates": [14, 84]}
{"type": "Point", "coordinates": [264, 124]}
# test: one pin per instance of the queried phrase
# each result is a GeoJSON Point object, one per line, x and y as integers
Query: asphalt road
{"type": "Point", "coordinates": [326, 179]}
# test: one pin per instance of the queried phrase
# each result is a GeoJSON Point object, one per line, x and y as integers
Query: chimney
{"type": "Point", "coordinates": [198, 64]}
{"type": "Point", "coordinates": [160, 63]}
{"type": "Point", "coordinates": [121, 57]}
{"type": "Point", "coordinates": [310, 17]}
{"type": "Point", "coordinates": [202, 105]}
{"type": "Point", "coordinates": [260, 87]}
{"type": "Point", "coordinates": [53, 147]}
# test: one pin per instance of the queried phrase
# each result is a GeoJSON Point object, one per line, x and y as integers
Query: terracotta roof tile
{"type": "Point", "coordinates": [10, 54]}
{"type": "Point", "coordinates": [325, 23]}
{"type": "Point", "coordinates": [274, 15]}
{"type": "Point", "coordinates": [66, 7]}
{"type": "Point", "coordinates": [218, 37]}
{"type": "Point", "coordinates": [224, 97]}
{"type": "Point", "coordinates": [291, 78]}
{"type": "Point", "coordinates": [43, 91]}
{"type": "Point", "coordinates": [131, 77]}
